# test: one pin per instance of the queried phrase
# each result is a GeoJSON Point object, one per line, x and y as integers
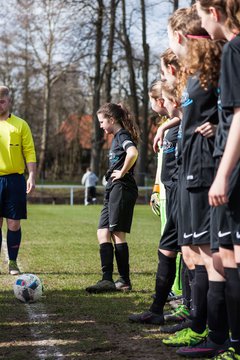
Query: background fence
{"type": "Point", "coordinates": [74, 194]}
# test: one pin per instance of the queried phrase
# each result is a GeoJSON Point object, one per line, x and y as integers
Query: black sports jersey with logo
{"type": "Point", "coordinates": [169, 164]}
{"type": "Point", "coordinates": [121, 142]}
{"type": "Point", "coordinates": [199, 106]}
{"type": "Point", "coordinates": [229, 96]}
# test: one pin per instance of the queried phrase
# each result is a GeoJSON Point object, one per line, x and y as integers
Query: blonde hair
{"type": "Point", "coordinates": [4, 91]}
{"type": "Point", "coordinates": [187, 21]}
{"type": "Point", "coordinates": [203, 54]}
{"type": "Point", "coordinates": [121, 114]}
{"type": "Point", "coordinates": [169, 58]}
{"type": "Point", "coordinates": [170, 92]}
{"type": "Point", "coordinates": [155, 89]}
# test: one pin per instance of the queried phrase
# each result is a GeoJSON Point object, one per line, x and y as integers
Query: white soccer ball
{"type": "Point", "coordinates": [28, 288]}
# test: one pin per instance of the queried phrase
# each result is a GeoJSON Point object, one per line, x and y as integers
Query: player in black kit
{"type": "Point", "coordinates": [120, 196]}
{"type": "Point", "coordinates": [168, 247]}
{"type": "Point", "coordinates": [199, 104]}
{"type": "Point", "coordinates": [222, 21]}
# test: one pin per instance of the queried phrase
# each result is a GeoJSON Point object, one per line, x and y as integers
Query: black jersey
{"type": "Point", "coordinates": [229, 96]}
{"type": "Point", "coordinates": [121, 142]}
{"type": "Point", "coordinates": [178, 151]}
{"type": "Point", "coordinates": [169, 163]}
{"type": "Point", "coordinates": [199, 106]}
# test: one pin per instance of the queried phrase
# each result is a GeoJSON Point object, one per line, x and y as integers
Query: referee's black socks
{"type": "Point", "coordinates": [106, 255]}
{"type": "Point", "coordinates": [13, 243]}
{"type": "Point", "coordinates": [164, 280]}
{"type": "Point", "coordinates": [122, 259]}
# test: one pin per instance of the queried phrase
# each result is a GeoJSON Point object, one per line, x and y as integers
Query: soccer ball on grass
{"type": "Point", "coordinates": [28, 288]}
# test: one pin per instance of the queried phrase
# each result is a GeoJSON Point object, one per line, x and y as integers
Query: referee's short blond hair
{"type": "Point", "coordinates": [4, 91]}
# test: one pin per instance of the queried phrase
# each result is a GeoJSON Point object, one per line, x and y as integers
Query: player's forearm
{"type": "Point", "coordinates": [231, 153]}
{"type": "Point", "coordinates": [131, 157]}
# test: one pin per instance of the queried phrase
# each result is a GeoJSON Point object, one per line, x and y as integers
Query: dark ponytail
{"type": "Point", "coordinates": [121, 114]}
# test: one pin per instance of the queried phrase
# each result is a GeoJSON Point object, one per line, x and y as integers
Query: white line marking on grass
{"type": "Point", "coordinates": [37, 315]}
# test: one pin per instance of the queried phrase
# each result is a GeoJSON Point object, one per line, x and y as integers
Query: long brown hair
{"type": "Point", "coordinates": [203, 54]}
{"type": "Point", "coordinates": [121, 114]}
{"type": "Point", "coordinates": [218, 4]}
{"type": "Point", "coordinates": [230, 9]}
{"type": "Point", "coordinates": [203, 58]}
{"type": "Point", "coordinates": [233, 15]}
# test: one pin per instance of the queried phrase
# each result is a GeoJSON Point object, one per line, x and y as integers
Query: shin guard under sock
{"type": "Point", "coordinates": [186, 285]}
{"type": "Point", "coordinates": [217, 312]}
{"type": "Point", "coordinates": [122, 258]}
{"type": "Point", "coordinates": [238, 268]}
{"type": "Point", "coordinates": [106, 255]}
{"type": "Point", "coordinates": [199, 299]}
{"type": "Point", "coordinates": [164, 280]}
{"type": "Point", "coordinates": [232, 294]}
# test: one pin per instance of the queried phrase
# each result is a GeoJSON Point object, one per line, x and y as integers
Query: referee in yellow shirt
{"type": "Point", "coordinates": [16, 152]}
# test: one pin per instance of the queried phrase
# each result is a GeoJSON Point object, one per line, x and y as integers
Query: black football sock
{"type": "Point", "coordinates": [232, 294]}
{"type": "Point", "coordinates": [13, 243]}
{"type": "Point", "coordinates": [0, 239]}
{"type": "Point", "coordinates": [106, 255]}
{"type": "Point", "coordinates": [122, 258]}
{"type": "Point", "coordinates": [217, 312]}
{"type": "Point", "coordinates": [187, 277]}
{"type": "Point", "coordinates": [199, 299]}
{"type": "Point", "coordinates": [164, 280]}
{"type": "Point", "coordinates": [238, 267]}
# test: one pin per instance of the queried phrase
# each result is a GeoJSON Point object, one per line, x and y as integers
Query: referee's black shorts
{"type": "Point", "coordinates": [13, 197]}
{"type": "Point", "coordinates": [117, 212]}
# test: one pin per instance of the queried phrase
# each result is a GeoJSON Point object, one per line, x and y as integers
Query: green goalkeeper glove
{"type": "Point", "coordinates": [155, 200]}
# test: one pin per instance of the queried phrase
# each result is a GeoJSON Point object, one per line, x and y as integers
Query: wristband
{"type": "Point", "coordinates": [156, 188]}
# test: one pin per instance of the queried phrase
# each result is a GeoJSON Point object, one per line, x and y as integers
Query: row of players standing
{"type": "Point", "coordinates": [212, 260]}
{"type": "Point", "coordinates": [209, 237]}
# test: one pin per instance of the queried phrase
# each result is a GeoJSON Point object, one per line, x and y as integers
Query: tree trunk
{"type": "Point", "coordinates": [129, 59]}
{"type": "Point", "coordinates": [143, 150]}
{"type": "Point", "coordinates": [44, 136]}
{"type": "Point", "coordinates": [98, 140]}
{"type": "Point", "coordinates": [175, 4]}
{"type": "Point", "coordinates": [109, 65]}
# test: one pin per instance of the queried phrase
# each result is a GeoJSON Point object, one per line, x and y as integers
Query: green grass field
{"type": "Point", "coordinates": [60, 246]}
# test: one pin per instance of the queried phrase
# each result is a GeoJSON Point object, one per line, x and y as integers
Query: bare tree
{"type": "Point", "coordinates": [142, 163]}
{"type": "Point", "coordinates": [49, 35]}
{"type": "Point", "coordinates": [97, 131]}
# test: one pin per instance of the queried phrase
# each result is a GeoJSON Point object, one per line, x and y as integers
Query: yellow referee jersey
{"type": "Point", "coordinates": [16, 146]}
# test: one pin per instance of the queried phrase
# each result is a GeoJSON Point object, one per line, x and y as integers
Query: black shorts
{"type": "Point", "coordinates": [214, 226]}
{"type": "Point", "coordinates": [169, 238]}
{"type": "Point", "coordinates": [184, 214]}
{"type": "Point", "coordinates": [226, 218]}
{"type": "Point", "coordinates": [13, 197]}
{"type": "Point", "coordinates": [91, 193]}
{"type": "Point", "coordinates": [117, 212]}
{"type": "Point", "coordinates": [195, 215]}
